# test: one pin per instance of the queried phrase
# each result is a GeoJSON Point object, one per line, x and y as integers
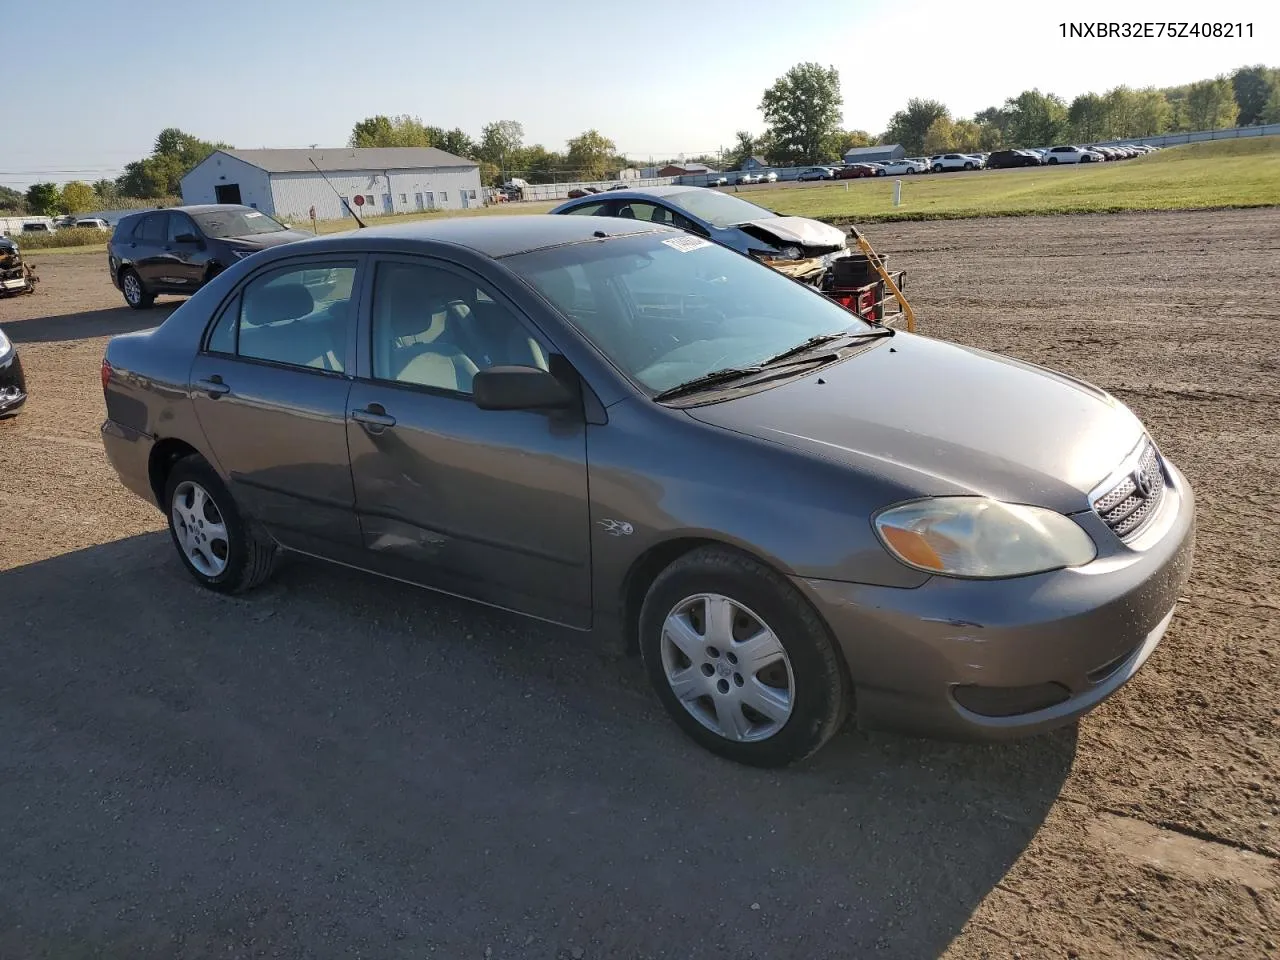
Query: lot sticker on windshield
{"type": "Point", "coordinates": [685, 244]}
{"type": "Point", "coordinates": [252, 213]}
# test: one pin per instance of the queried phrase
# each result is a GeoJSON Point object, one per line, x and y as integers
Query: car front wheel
{"type": "Point", "coordinates": [218, 546]}
{"type": "Point", "coordinates": [740, 661]}
{"type": "Point", "coordinates": [135, 294]}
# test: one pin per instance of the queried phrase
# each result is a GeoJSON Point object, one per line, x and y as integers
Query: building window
{"type": "Point", "coordinates": [368, 199]}
{"type": "Point", "coordinates": [404, 198]}
{"type": "Point", "coordinates": [444, 196]}
{"type": "Point", "coordinates": [471, 194]}
{"type": "Point", "coordinates": [346, 202]}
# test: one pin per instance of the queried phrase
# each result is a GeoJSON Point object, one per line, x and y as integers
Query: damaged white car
{"type": "Point", "coordinates": [723, 217]}
{"type": "Point", "coordinates": [809, 251]}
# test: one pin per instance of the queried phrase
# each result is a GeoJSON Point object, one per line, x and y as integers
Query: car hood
{"type": "Point", "coordinates": [260, 241]}
{"type": "Point", "coordinates": [800, 230]}
{"type": "Point", "coordinates": [942, 419]}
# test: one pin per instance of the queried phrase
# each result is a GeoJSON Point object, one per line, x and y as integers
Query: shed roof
{"type": "Point", "coordinates": [350, 158]}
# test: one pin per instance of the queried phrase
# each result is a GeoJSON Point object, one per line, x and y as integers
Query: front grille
{"type": "Point", "coordinates": [1124, 508]}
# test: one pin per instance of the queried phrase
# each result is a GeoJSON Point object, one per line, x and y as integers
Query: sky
{"type": "Point", "coordinates": [659, 80]}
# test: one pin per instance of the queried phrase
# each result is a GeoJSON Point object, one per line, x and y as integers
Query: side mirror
{"type": "Point", "coordinates": [519, 388]}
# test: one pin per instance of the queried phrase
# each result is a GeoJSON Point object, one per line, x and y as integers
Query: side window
{"type": "Point", "coordinates": [591, 209]}
{"type": "Point", "coordinates": [297, 315]}
{"type": "Point", "coordinates": [179, 224]}
{"type": "Point", "coordinates": [152, 228]}
{"type": "Point", "coordinates": [435, 328]}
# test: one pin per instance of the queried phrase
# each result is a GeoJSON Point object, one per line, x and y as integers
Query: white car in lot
{"type": "Point", "coordinates": [749, 178]}
{"type": "Point", "coordinates": [956, 161]}
{"type": "Point", "coordinates": [1072, 154]}
{"type": "Point", "coordinates": [899, 167]}
{"type": "Point", "coordinates": [770, 177]}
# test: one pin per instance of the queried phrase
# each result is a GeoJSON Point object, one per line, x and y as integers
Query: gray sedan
{"type": "Point", "coordinates": [722, 217]}
{"type": "Point", "coordinates": [623, 428]}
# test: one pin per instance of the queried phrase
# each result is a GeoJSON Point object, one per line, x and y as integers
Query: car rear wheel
{"type": "Point", "coordinates": [219, 547]}
{"type": "Point", "coordinates": [1053, 159]}
{"type": "Point", "coordinates": [135, 294]}
{"type": "Point", "coordinates": [740, 661]}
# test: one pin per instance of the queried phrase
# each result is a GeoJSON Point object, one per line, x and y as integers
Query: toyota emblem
{"type": "Point", "coordinates": [1142, 482]}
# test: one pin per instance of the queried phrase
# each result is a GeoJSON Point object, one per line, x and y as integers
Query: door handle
{"type": "Point", "coordinates": [214, 386]}
{"type": "Point", "coordinates": [374, 418]}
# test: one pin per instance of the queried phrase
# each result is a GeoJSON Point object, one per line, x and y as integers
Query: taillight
{"type": "Point", "coordinates": [106, 374]}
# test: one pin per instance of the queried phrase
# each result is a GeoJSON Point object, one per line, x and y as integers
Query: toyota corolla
{"type": "Point", "coordinates": [618, 426]}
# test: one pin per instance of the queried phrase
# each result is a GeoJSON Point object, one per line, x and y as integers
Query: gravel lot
{"type": "Point", "coordinates": [340, 766]}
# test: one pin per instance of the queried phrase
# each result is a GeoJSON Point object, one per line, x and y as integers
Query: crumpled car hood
{"type": "Point", "coordinates": [801, 230]}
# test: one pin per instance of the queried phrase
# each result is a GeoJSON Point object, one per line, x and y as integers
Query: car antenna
{"type": "Point", "coordinates": [340, 196]}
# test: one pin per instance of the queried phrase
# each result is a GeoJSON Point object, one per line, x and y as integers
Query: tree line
{"type": "Point", "coordinates": [802, 113]}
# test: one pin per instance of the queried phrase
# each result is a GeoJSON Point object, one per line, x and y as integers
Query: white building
{"type": "Point", "coordinates": [285, 184]}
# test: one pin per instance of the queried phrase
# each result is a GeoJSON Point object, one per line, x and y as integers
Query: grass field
{"type": "Point", "coordinates": [1218, 174]}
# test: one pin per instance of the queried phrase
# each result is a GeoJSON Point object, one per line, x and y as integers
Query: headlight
{"type": "Point", "coordinates": [5, 346]}
{"type": "Point", "coordinates": [981, 538]}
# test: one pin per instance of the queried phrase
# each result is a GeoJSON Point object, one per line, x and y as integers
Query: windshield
{"type": "Point", "coordinates": [718, 209]}
{"type": "Point", "coordinates": [667, 309]}
{"type": "Point", "coordinates": [236, 223]}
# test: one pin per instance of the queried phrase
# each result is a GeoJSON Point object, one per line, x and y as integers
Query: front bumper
{"type": "Point", "coordinates": [1025, 655]}
{"type": "Point", "coordinates": [13, 384]}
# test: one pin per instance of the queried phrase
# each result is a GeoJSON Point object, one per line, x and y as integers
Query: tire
{"type": "Point", "coordinates": [804, 659]}
{"type": "Point", "coordinates": [910, 171]}
{"type": "Point", "coordinates": [247, 554]}
{"type": "Point", "coordinates": [968, 166]}
{"type": "Point", "coordinates": [881, 173]}
{"type": "Point", "coordinates": [1053, 159]}
{"type": "Point", "coordinates": [135, 294]}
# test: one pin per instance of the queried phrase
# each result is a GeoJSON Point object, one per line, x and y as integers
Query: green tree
{"type": "Point", "coordinates": [1151, 113]}
{"type": "Point", "coordinates": [1035, 119]}
{"type": "Point", "coordinates": [908, 127]}
{"type": "Point", "coordinates": [589, 155]}
{"type": "Point", "coordinates": [994, 117]}
{"type": "Point", "coordinates": [1120, 108]}
{"type": "Point", "coordinates": [457, 142]}
{"type": "Point", "coordinates": [78, 197]}
{"type": "Point", "coordinates": [1089, 117]}
{"type": "Point", "coordinates": [1252, 88]}
{"type": "Point", "coordinates": [106, 189]}
{"type": "Point", "coordinates": [1211, 105]}
{"type": "Point", "coordinates": [967, 136]}
{"type": "Point", "coordinates": [398, 131]}
{"type": "Point", "coordinates": [500, 142]}
{"type": "Point", "coordinates": [845, 140]}
{"type": "Point", "coordinates": [989, 136]}
{"type": "Point", "coordinates": [802, 109]}
{"type": "Point", "coordinates": [1271, 112]}
{"type": "Point", "coordinates": [43, 199]}
{"type": "Point", "coordinates": [159, 175]}
{"type": "Point", "coordinates": [940, 137]}
{"type": "Point", "coordinates": [11, 200]}
{"type": "Point", "coordinates": [744, 146]}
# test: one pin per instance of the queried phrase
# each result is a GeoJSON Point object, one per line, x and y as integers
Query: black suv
{"type": "Point", "coordinates": [1012, 158]}
{"type": "Point", "coordinates": [180, 249]}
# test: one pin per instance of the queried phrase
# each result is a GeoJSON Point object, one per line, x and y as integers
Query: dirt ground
{"type": "Point", "coordinates": [338, 766]}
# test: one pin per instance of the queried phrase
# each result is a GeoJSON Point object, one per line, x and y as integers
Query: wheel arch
{"type": "Point", "coordinates": [648, 566]}
{"type": "Point", "coordinates": [164, 454]}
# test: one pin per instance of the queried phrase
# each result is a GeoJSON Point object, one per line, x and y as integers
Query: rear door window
{"type": "Point", "coordinates": [152, 228]}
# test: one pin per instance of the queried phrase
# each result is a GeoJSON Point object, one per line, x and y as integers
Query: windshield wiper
{"type": "Point", "coordinates": [707, 380]}
{"type": "Point", "coordinates": [823, 338]}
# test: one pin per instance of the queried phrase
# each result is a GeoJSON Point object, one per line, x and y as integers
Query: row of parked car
{"type": "Point", "coordinates": [944, 162]}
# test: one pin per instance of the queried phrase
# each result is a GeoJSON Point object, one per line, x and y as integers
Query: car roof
{"type": "Point", "coordinates": [192, 208]}
{"type": "Point", "coordinates": [500, 235]}
{"type": "Point", "coordinates": [664, 191]}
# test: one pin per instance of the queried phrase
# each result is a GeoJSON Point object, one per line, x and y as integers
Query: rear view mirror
{"type": "Point", "coordinates": [519, 388]}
